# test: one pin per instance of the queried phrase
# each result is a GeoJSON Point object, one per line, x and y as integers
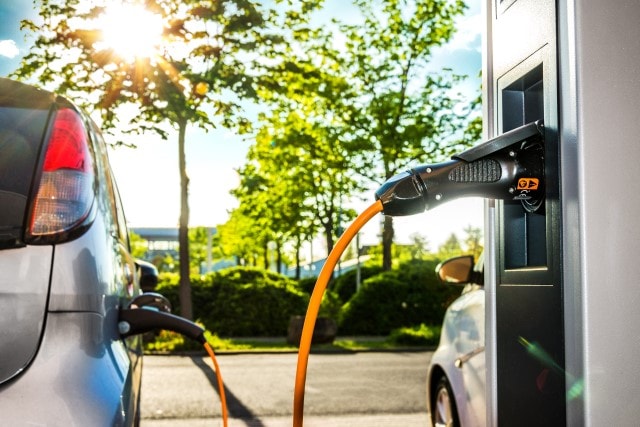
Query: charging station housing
{"type": "Point", "coordinates": [563, 279]}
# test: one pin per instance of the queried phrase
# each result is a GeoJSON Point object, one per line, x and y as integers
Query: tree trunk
{"type": "Point", "coordinates": [265, 258]}
{"type": "Point", "coordinates": [387, 242]}
{"type": "Point", "coordinates": [186, 307]}
{"type": "Point", "coordinates": [328, 232]}
{"type": "Point", "coordinates": [278, 258]}
{"type": "Point", "coordinates": [297, 257]}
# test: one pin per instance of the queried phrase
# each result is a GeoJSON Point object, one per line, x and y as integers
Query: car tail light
{"type": "Point", "coordinates": [66, 191]}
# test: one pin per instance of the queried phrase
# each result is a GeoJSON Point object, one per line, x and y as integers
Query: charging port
{"type": "Point", "coordinates": [525, 223]}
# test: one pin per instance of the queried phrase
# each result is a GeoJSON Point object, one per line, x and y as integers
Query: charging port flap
{"type": "Point", "coordinates": [507, 139]}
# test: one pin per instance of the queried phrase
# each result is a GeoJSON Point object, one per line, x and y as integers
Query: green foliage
{"type": "Point", "coordinates": [331, 301]}
{"type": "Point", "coordinates": [198, 57]}
{"type": "Point", "coordinates": [241, 301]}
{"type": "Point", "coordinates": [470, 245]}
{"type": "Point", "coordinates": [306, 284]}
{"type": "Point", "coordinates": [400, 111]}
{"type": "Point", "coordinates": [473, 241]}
{"type": "Point", "coordinates": [205, 60]}
{"type": "Point", "coordinates": [450, 248]}
{"type": "Point", "coordinates": [168, 341]}
{"type": "Point", "coordinates": [419, 246]}
{"type": "Point", "coordinates": [409, 295]}
{"type": "Point", "coordinates": [238, 238]}
{"type": "Point", "coordinates": [416, 335]}
{"type": "Point", "coordinates": [201, 240]}
{"type": "Point", "coordinates": [166, 263]}
{"type": "Point", "coordinates": [345, 284]}
{"type": "Point", "coordinates": [138, 245]}
{"type": "Point", "coordinates": [253, 302]}
{"type": "Point", "coordinates": [297, 170]}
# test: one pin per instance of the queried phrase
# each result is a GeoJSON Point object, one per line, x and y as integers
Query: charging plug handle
{"type": "Point", "coordinates": [509, 167]}
{"type": "Point", "coordinates": [134, 321]}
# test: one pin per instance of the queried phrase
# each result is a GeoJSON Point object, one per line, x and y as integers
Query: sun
{"type": "Point", "coordinates": [130, 30]}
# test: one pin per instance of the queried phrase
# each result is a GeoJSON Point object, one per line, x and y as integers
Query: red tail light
{"type": "Point", "coordinates": [65, 194]}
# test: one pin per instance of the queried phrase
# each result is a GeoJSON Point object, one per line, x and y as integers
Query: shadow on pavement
{"type": "Point", "coordinates": [235, 407]}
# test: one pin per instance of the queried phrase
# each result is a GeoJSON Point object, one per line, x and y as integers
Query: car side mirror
{"type": "Point", "coordinates": [148, 274]}
{"type": "Point", "coordinates": [151, 300]}
{"type": "Point", "coordinates": [458, 270]}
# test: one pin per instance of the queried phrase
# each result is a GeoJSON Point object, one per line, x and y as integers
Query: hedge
{"type": "Point", "coordinates": [245, 301]}
{"type": "Point", "coordinates": [240, 301]}
{"type": "Point", "coordinates": [407, 296]}
{"type": "Point", "coordinates": [345, 284]}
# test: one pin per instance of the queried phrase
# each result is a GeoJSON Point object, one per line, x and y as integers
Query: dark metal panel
{"type": "Point", "coordinates": [529, 324]}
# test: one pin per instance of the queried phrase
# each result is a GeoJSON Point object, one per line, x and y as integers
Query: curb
{"type": "Point", "coordinates": [412, 349]}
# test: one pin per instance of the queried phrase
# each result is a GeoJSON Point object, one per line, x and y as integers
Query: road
{"type": "Point", "coordinates": [356, 389]}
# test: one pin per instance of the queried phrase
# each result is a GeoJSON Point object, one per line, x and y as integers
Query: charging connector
{"type": "Point", "coordinates": [509, 167]}
{"type": "Point", "coordinates": [134, 321]}
{"type": "Point", "coordinates": [149, 317]}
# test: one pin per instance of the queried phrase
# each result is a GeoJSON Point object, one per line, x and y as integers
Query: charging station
{"type": "Point", "coordinates": [563, 296]}
{"type": "Point", "coordinates": [527, 310]}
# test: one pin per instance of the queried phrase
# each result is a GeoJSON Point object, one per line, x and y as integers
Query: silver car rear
{"type": "Point", "coordinates": [66, 269]}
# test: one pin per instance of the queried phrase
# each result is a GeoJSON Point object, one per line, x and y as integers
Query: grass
{"type": "Point", "coordinates": [170, 342]}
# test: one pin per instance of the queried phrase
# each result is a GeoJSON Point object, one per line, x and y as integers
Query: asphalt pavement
{"type": "Point", "coordinates": [351, 389]}
{"type": "Point", "coordinates": [360, 420]}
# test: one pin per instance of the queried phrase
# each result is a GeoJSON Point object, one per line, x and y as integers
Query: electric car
{"type": "Point", "coordinates": [66, 270]}
{"type": "Point", "coordinates": [456, 374]}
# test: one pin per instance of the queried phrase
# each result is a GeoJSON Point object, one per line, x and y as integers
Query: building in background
{"type": "Point", "coordinates": [160, 241]}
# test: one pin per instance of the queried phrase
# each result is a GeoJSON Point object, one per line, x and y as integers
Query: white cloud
{"type": "Point", "coordinates": [468, 33]}
{"type": "Point", "coordinates": [9, 48]}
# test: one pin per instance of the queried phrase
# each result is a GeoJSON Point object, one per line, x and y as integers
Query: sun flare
{"type": "Point", "coordinates": [130, 30]}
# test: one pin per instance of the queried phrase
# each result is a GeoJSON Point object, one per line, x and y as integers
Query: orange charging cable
{"type": "Point", "coordinates": [314, 306]}
{"type": "Point", "coordinates": [223, 399]}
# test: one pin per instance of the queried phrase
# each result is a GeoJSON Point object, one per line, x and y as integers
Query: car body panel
{"type": "Point", "coordinates": [81, 376]}
{"type": "Point", "coordinates": [75, 267]}
{"type": "Point", "coordinates": [460, 357]}
{"type": "Point", "coordinates": [24, 285]}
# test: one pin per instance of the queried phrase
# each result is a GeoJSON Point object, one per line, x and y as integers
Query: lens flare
{"type": "Point", "coordinates": [130, 31]}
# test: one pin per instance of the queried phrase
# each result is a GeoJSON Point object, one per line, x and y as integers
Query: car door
{"type": "Point", "coordinates": [468, 316]}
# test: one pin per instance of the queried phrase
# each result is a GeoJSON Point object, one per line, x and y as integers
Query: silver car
{"type": "Point", "coordinates": [456, 376]}
{"type": "Point", "coordinates": [65, 270]}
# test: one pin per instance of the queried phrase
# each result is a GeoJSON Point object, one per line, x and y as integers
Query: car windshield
{"type": "Point", "coordinates": [21, 132]}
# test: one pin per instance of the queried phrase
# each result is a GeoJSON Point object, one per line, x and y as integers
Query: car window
{"type": "Point", "coordinates": [21, 134]}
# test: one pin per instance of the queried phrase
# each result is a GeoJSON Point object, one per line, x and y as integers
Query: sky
{"type": "Point", "coordinates": [148, 176]}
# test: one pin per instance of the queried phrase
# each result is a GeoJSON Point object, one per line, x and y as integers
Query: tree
{"type": "Point", "coordinates": [450, 248]}
{"type": "Point", "coordinates": [203, 246]}
{"type": "Point", "coordinates": [301, 141]}
{"type": "Point", "coordinates": [399, 112]}
{"type": "Point", "coordinates": [193, 74]}
{"type": "Point", "coordinates": [263, 207]}
{"type": "Point", "coordinates": [298, 172]}
{"type": "Point", "coordinates": [473, 240]}
{"type": "Point", "coordinates": [419, 246]}
{"type": "Point", "coordinates": [236, 239]}
{"type": "Point", "coordinates": [138, 245]}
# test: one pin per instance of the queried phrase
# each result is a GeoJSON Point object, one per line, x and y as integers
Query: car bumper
{"type": "Point", "coordinates": [88, 375]}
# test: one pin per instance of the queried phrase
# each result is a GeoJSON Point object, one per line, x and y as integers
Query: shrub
{"type": "Point", "coordinates": [306, 284]}
{"type": "Point", "coordinates": [331, 301]}
{"type": "Point", "coordinates": [409, 295]}
{"type": "Point", "coordinates": [417, 335]}
{"type": "Point", "coordinates": [241, 301]}
{"type": "Point", "coordinates": [345, 284]}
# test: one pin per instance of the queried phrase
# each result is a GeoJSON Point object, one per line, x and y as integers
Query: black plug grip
{"type": "Point", "coordinates": [139, 320]}
{"type": "Point", "coordinates": [403, 194]}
